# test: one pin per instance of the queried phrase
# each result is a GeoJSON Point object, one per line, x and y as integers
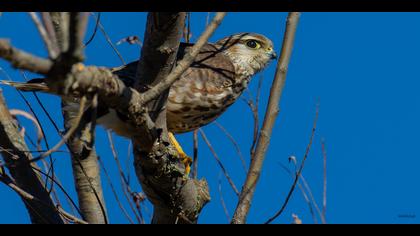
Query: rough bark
{"type": "Point", "coordinates": [176, 197]}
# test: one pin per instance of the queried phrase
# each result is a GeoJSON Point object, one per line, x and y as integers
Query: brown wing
{"type": "Point", "coordinates": [210, 59]}
{"type": "Point", "coordinates": [212, 62]}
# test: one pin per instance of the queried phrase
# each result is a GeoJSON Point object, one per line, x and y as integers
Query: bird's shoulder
{"type": "Point", "coordinates": [210, 59]}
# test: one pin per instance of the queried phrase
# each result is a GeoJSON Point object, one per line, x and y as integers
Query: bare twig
{"type": "Point", "coordinates": [232, 184]}
{"type": "Point", "coordinates": [44, 135]}
{"type": "Point", "coordinates": [52, 52]}
{"type": "Point", "coordinates": [60, 186]}
{"type": "Point", "coordinates": [16, 112]}
{"type": "Point", "coordinates": [21, 170]}
{"type": "Point", "coordinates": [41, 135]}
{"type": "Point", "coordinates": [114, 192]}
{"type": "Point", "coordinates": [324, 194]}
{"type": "Point", "coordinates": [303, 191]}
{"type": "Point", "coordinates": [71, 217]}
{"type": "Point", "coordinates": [49, 28]}
{"type": "Point", "coordinates": [69, 133]}
{"type": "Point", "coordinates": [128, 194]}
{"type": "Point", "coordinates": [27, 196]}
{"type": "Point", "coordinates": [272, 111]}
{"type": "Point", "coordinates": [222, 200]}
{"type": "Point", "coordinates": [233, 141]}
{"type": "Point", "coordinates": [255, 116]}
{"type": "Point", "coordinates": [46, 112]}
{"type": "Point", "coordinates": [108, 39]}
{"type": "Point", "coordinates": [94, 30]}
{"type": "Point", "coordinates": [308, 189]}
{"type": "Point", "coordinates": [254, 106]}
{"type": "Point", "coordinates": [299, 172]}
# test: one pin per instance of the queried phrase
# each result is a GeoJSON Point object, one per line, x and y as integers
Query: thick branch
{"type": "Point", "coordinates": [176, 197]}
{"type": "Point", "coordinates": [23, 60]}
{"type": "Point", "coordinates": [272, 111]}
{"type": "Point", "coordinates": [81, 144]}
{"type": "Point", "coordinates": [85, 166]}
{"type": "Point", "coordinates": [77, 29]}
{"type": "Point", "coordinates": [60, 23]}
{"type": "Point", "coordinates": [17, 160]}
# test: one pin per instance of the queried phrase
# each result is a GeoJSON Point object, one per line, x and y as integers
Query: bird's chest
{"type": "Point", "coordinates": [192, 104]}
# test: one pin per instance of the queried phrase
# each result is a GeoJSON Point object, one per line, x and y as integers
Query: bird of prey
{"type": "Point", "coordinates": [213, 82]}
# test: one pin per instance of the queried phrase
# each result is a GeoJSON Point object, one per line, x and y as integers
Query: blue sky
{"type": "Point", "coordinates": [363, 68]}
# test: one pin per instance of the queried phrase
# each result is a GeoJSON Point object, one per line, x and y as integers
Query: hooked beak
{"type": "Point", "coordinates": [273, 55]}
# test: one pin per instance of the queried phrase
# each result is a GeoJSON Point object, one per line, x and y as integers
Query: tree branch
{"type": "Point", "coordinates": [17, 161]}
{"type": "Point", "coordinates": [31, 198]}
{"type": "Point", "coordinates": [52, 52]}
{"type": "Point", "coordinates": [157, 165]}
{"type": "Point", "coordinates": [77, 30]}
{"type": "Point", "coordinates": [272, 111]}
{"type": "Point", "coordinates": [177, 199]}
{"type": "Point", "coordinates": [298, 172]}
{"type": "Point", "coordinates": [80, 140]}
{"type": "Point", "coordinates": [60, 24]}
{"type": "Point", "coordinates": [219, 162]}
{"type": "Point", "coordinates": [23, 60]}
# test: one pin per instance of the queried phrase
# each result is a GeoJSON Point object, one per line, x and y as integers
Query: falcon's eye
{"type": "Point", "coordinates": [253, 44]}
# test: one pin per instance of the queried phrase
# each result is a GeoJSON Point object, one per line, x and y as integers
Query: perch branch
{"type": "Point", "coordinates": [272, 111]}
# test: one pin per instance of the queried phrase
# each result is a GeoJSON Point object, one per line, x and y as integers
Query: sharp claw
{"type": "Point", "coordinates": [184, 158]}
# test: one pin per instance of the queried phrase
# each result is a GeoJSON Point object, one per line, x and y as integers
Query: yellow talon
{"type": "Point", "coordinates": [185, 159]}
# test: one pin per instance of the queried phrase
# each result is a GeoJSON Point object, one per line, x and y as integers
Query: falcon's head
{"type": "Point", "coordinates": [251, 52]}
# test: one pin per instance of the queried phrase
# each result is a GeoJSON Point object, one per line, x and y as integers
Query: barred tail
{"type": "Point", "coordinates": [34, 85]}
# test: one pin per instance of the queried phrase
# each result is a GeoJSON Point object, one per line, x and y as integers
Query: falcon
{"type": "Point", "coordinates": [214, 81]}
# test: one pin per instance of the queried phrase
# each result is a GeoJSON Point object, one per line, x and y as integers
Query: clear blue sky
{"type": "Point", "coordinates": [363, 68]}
